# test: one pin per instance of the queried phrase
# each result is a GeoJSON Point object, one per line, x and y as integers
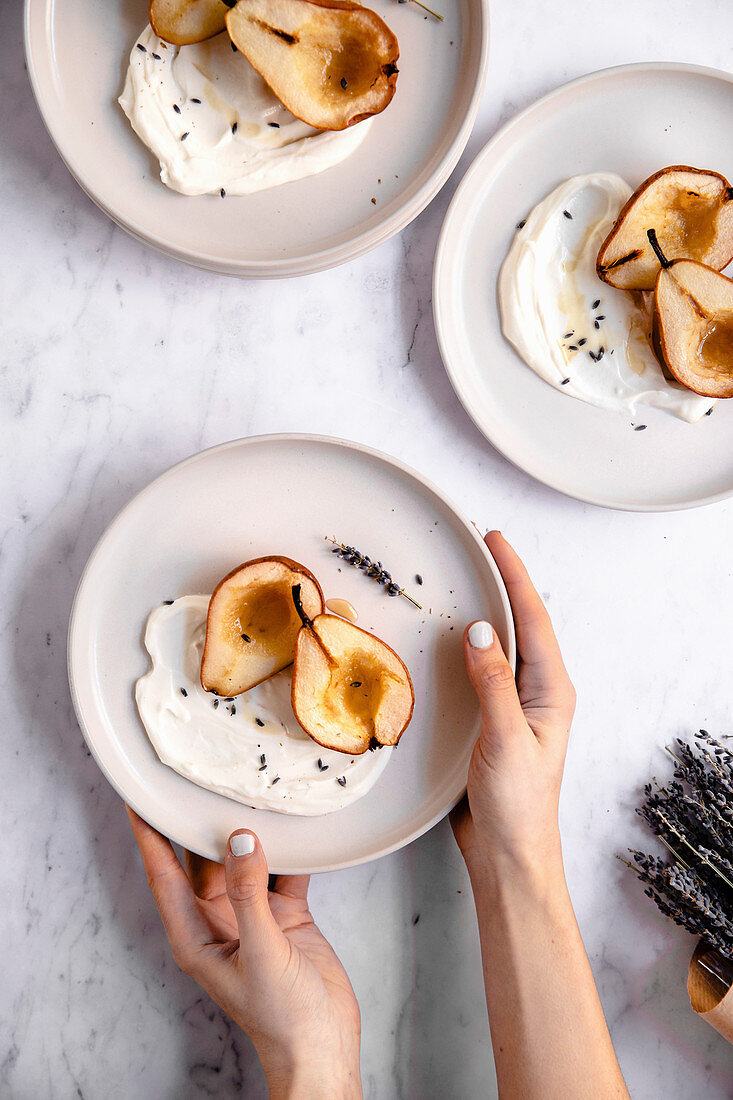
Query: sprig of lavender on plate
{"type": "Point", "coordinates": [373, 569]}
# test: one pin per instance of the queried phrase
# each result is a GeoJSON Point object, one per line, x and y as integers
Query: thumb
{"type": "Point", "coordinates": [245, 868]}
{"type": "Point", "coordinates": [492, 677]}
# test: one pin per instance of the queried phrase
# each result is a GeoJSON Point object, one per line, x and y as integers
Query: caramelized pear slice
{"type": "Point", "coordinates": [694, 326]}
{"type": "Point", "coordinates": [252, 624]}
{"type": "Point", "coordinates": [350, 690]}
{"type": "Point", "coordinates": [691, 212]}
{"type": "Point", "coordinates": [185, 21]}
{"type": "Point", "coordinates": [330, 62]}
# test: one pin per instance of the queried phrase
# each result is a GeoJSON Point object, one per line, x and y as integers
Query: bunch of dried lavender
{"type": "Point", "coordinates": [693, 818]}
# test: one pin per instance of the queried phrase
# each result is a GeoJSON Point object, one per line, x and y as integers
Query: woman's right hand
{"type": "Point", "coordinates": [508, 819]}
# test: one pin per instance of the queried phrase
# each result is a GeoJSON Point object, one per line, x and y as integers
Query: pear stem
{"type": "Point", "coordinates": [308, 624]}
{"type": "Point", "coordinates": [299, 606]}
{"type": "Point", "coordinates": [652, 235]}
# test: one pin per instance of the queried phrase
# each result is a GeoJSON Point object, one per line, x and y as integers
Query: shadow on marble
{"type": "Point", "coordinates": [662, 990]}
{"type": "Point", "coordinates": [423, 360]}
{"type": "Point", "coordinates": [22, 132]}
{"type": "Point", "coordinates": [425, 366]}
{"type": "Point", "coordinates": [656, 994]}
{"type": "Point", "coordinates": [443, 1042]}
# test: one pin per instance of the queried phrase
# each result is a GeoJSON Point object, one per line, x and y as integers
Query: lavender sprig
{"type": "Point", "coordinates": [692, 816]}
{"type": "Point", "coordinates": [373, 569]}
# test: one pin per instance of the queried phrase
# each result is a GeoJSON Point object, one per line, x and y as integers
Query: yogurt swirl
{"type": "Point", "coordinates": [587, 339]}
{"type": "Point", "coordinates": [249, 748]}
{"type": "Point", "coordinates": [215, 125]}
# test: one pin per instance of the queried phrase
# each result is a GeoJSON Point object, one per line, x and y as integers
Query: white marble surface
{"type": "Point", "coordinates": [117, 362]}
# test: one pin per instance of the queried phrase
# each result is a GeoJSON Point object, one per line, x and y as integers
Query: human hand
{"type": "Point", "coordinates": [508, 820]}
{"type": "Point", "coordinates": [549, 1035]}
{"type": "Point", "coordinates": [260, 956]}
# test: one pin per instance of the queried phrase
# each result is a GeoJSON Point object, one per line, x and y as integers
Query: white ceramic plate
{"type": "Point", "coordinates": [77, 54]}
{"type": "Point", "coordinates": [633, 121]}
{"type": "Point", "coordinates": [281, 495]}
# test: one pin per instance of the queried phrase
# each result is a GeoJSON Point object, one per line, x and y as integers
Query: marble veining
{"type": "Point", "coordinates": [116, 362]}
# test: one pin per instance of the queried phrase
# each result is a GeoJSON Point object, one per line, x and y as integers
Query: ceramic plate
{"type": "Point", "coordinates": [241, 500]}
{"type": "Point", "coordinates": [77, 55]}
{"type": "Point", "coordinates": [632, 121]}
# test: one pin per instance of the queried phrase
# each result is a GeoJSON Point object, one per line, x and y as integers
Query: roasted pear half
{"type": "Point", "coordinates": [691, 212]}
{"type": "Point", "coordinates": [330, 62]}
{"type": "Point", "coordinates": [185, 21]}
{"type": "Point", "coordinates": [350, 690]}
{"type": "Point", "coordinates": [252, 624]}
{"type": "Point", "coordinates": [693, 326]}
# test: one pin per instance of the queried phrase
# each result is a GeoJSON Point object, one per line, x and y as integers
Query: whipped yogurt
{"type": "Point", "coordinates": [215, 125]}
{"type": "Point", "coordinates": [250, 748]}
{"type": "Point", "coordinates": [548, 290]}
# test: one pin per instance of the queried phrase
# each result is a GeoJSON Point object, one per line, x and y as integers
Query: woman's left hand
{"type": "Point", "coordinates": [260, 956]}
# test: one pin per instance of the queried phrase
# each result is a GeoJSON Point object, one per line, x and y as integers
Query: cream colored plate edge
{"type": "Point", "coordinates": [102, 696]}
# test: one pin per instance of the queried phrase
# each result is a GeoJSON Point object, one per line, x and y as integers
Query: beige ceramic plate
{"type": "Point", "coordinates": [77, 54]}
{"type": "Point", "coordinates": [633, 121]}
{"type": "Point", "coordinates": [239, 501]}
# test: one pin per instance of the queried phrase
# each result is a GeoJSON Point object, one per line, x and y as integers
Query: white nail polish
{"type": "Point", "coordinates": [480, 635]}
{"type": "Point", "coordinates": [243, 844]}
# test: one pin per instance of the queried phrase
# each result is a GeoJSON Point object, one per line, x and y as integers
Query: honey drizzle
{"type": "Point", "coordinates": [343, 609]}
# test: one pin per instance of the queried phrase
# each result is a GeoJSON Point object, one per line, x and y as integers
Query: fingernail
{"type": "Point", "coordinates": [480, 635]}
{"type": "Point", "coordinates": [242, 844]}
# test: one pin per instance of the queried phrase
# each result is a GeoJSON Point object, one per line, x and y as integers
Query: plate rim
{"type": "Point", "coordinates": [442, 321]}
{"type": "Point", "coordinates": [308, 263]}
{"type": "Point", "coordinates": [74, 641]}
